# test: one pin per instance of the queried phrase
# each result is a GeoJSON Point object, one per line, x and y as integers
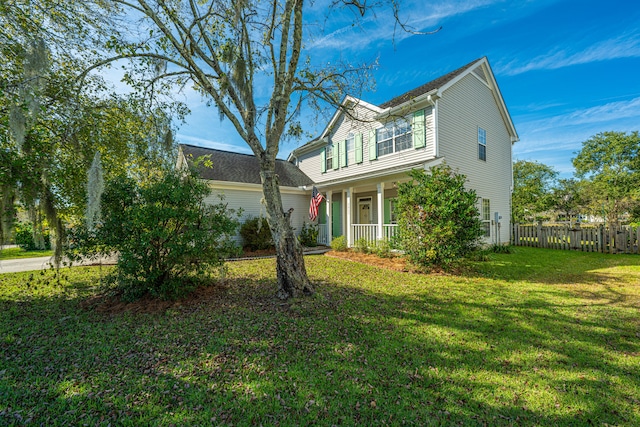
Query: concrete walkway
{"type": "Point", "coordinates": [40, 263]}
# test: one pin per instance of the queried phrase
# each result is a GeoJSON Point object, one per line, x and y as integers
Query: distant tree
{"type": "Point", "coordinates": [610, 161]}
{"type": "Point", "coordinates": [532, 190]}
{"type": "Point", "coordinates": [51, 126]}
{"type": "Point", "coordinates": [569, 198]}
{"type": "Point", "coordinates": [438, 217]}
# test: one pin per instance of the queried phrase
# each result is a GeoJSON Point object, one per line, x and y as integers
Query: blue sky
{"type": "Point", "coordinates": [566, 69]}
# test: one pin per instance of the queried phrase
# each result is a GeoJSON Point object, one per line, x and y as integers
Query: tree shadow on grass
{"type": "Point", "coordinates": [370, 348]}
{"type": "Point", "coordinates": [559, 267]}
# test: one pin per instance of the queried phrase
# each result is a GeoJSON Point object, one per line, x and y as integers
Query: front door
{"type": "Point", "coordinates": [364, 211]}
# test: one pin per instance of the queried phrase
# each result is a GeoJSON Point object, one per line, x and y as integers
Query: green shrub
{"type": "Point", "coordinates": [500, 249]}
{"type": "Point", "coordinates": [438, 218]}
{"type": "Point", "coordinates": [24, 238]}
{"type": "Point", "coordinates": [256, 234]}
{"type": "Point", "coordinates": [339, 244]}
{"type": "Point", "coordinates": [168, 241]}
{"type": "Point", "coordinates": [309, 235]}
{"type": "Point", "coordinates": [361, 245]}
{"type": "Point", "coordinates": [382, 249]}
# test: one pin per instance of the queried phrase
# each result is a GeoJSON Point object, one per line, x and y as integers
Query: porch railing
{"type": "Point", "coordinates": [323, 234]}
{"type": "Point", "coordinates": [367, 232]}
{"type": "Point", "coordinates": [389, 231]}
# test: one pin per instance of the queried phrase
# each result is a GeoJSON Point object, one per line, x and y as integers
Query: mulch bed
{"type": "Point", "coordinates": [216, 293]}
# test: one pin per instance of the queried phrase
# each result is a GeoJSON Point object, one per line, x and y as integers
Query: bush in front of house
{"type": "Point", "coordinates": [167, 239]}
{"type": "Point", "coordinates": [361, 245]}
{"type": "Point", "coordinates": [339, 244]}
{"type": "Point", "coordinates": [438, 217]}
{"type": "Point", "coordinates": [256, 234]}
{"type": "Point", "coordinates": [309, 235]}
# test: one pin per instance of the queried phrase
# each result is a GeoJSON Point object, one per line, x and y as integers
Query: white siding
{"type": "Point", "coordinates": [249, 201]}
{"type": "Point", "coordinates": [309, 163]}
{"type": "Point", "coordinates": [463, 108]}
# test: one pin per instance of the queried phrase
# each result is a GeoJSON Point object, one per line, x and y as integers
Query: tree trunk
{"type": "Point", "coordinates": [291, 272]}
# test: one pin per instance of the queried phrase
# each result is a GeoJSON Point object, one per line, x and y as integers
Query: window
{"type": "Point", "coordinates": [486, 217]}
{"type": "Point", "coordinates": [394, 137]}
{"type": "Point", "coordinates": [350, 142]}
{"type": "Point", "coordinates": [393, 216]}
{"type": "Point", "coordinates": [384, 139]}
{"type": "Point", "coordinates": [329, 158]}
{"type": "Point", "coordinates": [482, 144]}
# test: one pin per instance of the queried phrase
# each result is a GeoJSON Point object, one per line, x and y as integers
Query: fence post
{"type": "Point", "coordinates": [539, 235]}
{"type": "Point", "coordinates": [574, 236]}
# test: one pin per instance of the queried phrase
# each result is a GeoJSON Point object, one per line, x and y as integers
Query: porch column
{"type": "Point", "coordinates": [328, 207]}
{"type": "Point", "coordinates": [348, 215]}
{"type": "Point", "coordinates": [380, 210]}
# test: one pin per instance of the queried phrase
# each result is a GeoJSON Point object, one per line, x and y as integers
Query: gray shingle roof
{"type": "Point", "coordinates": [427, 87]}
{"type": "Point", "coordinates": [237, 167]}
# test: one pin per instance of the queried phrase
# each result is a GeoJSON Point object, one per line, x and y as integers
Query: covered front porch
{"type": "Point", "coordinates": [364, 211]}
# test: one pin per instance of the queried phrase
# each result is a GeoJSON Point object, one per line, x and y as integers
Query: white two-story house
{"type": "Point", "coordinates": [366, 150]}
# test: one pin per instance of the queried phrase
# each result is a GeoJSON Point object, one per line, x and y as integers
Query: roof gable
{"type": "Point", "coordinates": [427, 87]}
{"type": "Point", "coordinates": [241, 168]}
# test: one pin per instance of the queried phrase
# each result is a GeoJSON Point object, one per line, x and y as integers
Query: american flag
{"type": "Point", "coordinates": [316, 199]}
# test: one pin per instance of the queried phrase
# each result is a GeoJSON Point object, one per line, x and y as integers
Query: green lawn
{"type": "Point", "coordinates": [12, 253]}
{"type": "Point", "coordinates": [537, 337]}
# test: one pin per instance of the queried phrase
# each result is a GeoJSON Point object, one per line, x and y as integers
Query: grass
{"type": "Point", "coordinates": [536, 337]}
{"type": "Point", "coordinates": [13, 253]}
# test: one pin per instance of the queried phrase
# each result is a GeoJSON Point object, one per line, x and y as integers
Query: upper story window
{"type": "Point", "coordinates": [350, 142]}
{"type": "Point", "coordinates": [482, 144]}
{"type": "Point", "coordinates": [393, 137]}
{"type": "Point", "coordinates": [329, 157]}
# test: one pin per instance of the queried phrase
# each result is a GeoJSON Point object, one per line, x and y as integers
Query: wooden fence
{"type": "Point", "coordinates": [612, 240]}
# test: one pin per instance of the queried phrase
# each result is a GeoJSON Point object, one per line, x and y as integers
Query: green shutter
{"type": "Point", "coordinates": [323, 160]}
{"type": "Point", "coordinates": [387, 211]}
{"type": "Point", "coordinates": [358, 148]}
{"type": "Point", "coordinates": [373, 147]}
{"type": "Point", "coordinates": [343, 157]}
{"type": "Point", "coordinates": [336, 154]}
{"type": "Point", "coordinates": [418, 128]}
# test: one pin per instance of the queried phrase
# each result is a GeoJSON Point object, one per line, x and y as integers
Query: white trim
{"type": "Point", "coordinates": [349, 216]}
{"type": "Point", "coordinates": [494, 88]}
{"type": "Point", "coordinates": [380, 194]}
{"type": "Point", "coordinates": [228, 185]}
{"type": "Point", "coordinates": [347, 100]}
{"type": "Point", "coordinates": [480, 78]}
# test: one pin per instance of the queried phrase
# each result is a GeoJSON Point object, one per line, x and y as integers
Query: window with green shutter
{"type": "Point", "coordinates": [418, 125]}
{"type": "Point", "coordinates": [373, 147]}
{"type": "Point", "coordinates": [358, 149]}
{"type": "Point", "coordinates": [336, 154]}
{"type": "Point", "coordinates": [390, 215]}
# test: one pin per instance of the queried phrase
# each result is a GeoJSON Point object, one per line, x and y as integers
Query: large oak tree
{"type": "Point", "coordinates": [247, 57]}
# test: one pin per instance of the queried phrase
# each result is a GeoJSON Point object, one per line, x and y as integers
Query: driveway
{"type": "Point", "coordinates": [29, 264]}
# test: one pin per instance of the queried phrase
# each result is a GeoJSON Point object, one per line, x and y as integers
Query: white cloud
{"type": "Point", "coordinates": [420, 16]}
{"type": "Point", "coordinates": [555, 140]}
{"type": "Point", "coordinates": [624, 46]}
{"type": "Point", "coordinates": [610, 112]}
